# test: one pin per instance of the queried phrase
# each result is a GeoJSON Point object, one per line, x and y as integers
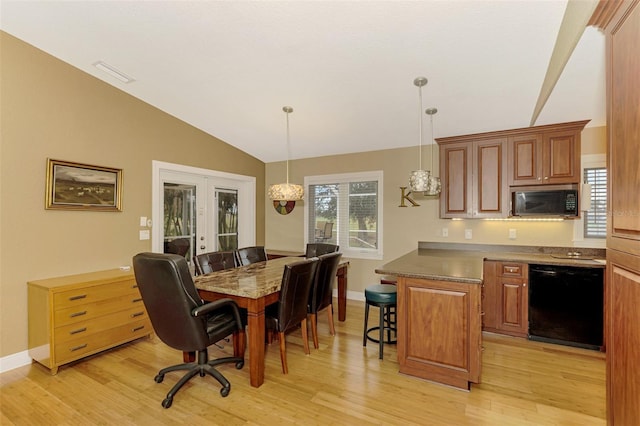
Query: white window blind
{"type": "Point", "coordinates": [595, 219]}
{"type": "Point", "coordinates": [346, 210]}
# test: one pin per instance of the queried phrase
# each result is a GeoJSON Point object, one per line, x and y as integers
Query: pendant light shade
{"type": "Point", "coordinates": [419, 179]}
{"type": "Point", "coordinates": [433, 182]}
{"type": "Point", "coordinates": [286, 191]}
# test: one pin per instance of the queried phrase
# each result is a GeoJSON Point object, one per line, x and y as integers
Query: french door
{"type": "Point", "coordinates": [209, 209]}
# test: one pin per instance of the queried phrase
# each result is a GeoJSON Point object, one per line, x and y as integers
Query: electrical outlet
{"type": "Point", "coordinates": [468, 234]}
{"type": "Point", "coordinates": [512, 234]}
{"type": "Point", "coordinates": [445, 232]}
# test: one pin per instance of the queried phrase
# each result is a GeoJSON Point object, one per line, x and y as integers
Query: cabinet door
{"type": "Point", "coordinates": [561, 157]}
{"type": "Point", "coordinates": [525, 159]}
{"type": "Point", "coordinates": [490, 193]}
{"type": "Point", "coordinates": [513, 309]}
{"type": "Point", "coordinates": [455, 162]}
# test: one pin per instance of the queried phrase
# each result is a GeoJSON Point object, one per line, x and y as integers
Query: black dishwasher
{"type": "Point", "coordinates": [566, 305]}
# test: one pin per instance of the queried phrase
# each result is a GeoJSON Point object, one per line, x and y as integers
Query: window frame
{"type": "Point", "coordinates": [589, 161]}
{"type": "Point", "coordinates": [341, 178]}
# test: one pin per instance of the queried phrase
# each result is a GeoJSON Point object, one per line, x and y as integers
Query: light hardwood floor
{"type": "Point", "coordinates": [342, 383]}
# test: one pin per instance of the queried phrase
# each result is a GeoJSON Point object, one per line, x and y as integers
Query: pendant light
{"type": "Point", "coordinates": [433, 182]}
{"type": "Point", "coordinates": [418, 180]}
{"type": "Point", "coordinates": [286, 191]}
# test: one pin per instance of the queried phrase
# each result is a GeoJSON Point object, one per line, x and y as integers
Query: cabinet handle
{"type": "Point", "coordinates": [134, 286]}
{"type": "Point", "coordinates": [75, 348]}
{"type": "Point", "coordinates": [539, 178]}
{"type": "Point", "coordinates": [80, 296]}
{"type": "Point", "coordinates": [137, 314]}
{"type": "Point", "coordinates": [78, 314]}
{"type": "Point", "coordinates": [139, 299]}
{"type": "Point", "coordinates": [546, 178]}
{"type": "Point", "coordinates": [133, 330]}
{"type": "Point", "coordinates": [482, 313]}
{"type": "Point", "coordinates": [524, 284]}
{"type": "Point", "coordinates": [80, 330]}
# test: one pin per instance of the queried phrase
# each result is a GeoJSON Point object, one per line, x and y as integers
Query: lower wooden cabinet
{"type": "Point", "coordinates": [505, 298]}
{"type": "Point", "coordinates": [76, 316]}
{"type": "Point", "coordinates": [439, 331]}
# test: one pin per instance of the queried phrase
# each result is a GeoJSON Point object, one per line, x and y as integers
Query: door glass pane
{"type": "Point", "coordinates": [227, 219]}
{"type": "Point", "coordinates": [179, 219]}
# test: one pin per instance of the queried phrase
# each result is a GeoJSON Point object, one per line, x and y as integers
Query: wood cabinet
{"type": "Point", "coordinates": [439, 330]}
{"type": "Point", "coordinates": [477, 170]}
{"type": "Point", "coordinates": [474, 183]}
{"type": "Point", "coordinates": [75, 316]}
{"type": "Point", "coordinates": [505, 298]}
{"type": "Point", "coordinates": [549, 157]}
{"type": "Point", "coordinates": [621, 21]}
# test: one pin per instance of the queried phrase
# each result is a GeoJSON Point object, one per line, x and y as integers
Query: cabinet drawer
{"type": "Point", "coordinates": [512, 269]}
{"type": "Point", "coordinates": [89, 344]}
{"type": "Point", "coordinates": [98, 325]}
{"type": "Point", "coordinates": [90, 294]}
{"type": "Point", "coordinates": [87, 311]}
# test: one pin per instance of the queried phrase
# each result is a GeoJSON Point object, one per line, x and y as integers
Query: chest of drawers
{"type": "Point", "coordinates": [76, 316]}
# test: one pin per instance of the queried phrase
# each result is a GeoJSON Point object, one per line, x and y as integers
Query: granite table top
{"type": "Point", "coordinates": [252, 281]}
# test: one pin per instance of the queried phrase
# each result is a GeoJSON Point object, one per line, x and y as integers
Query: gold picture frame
{"type": "Point", "coordinates": [77, 186]}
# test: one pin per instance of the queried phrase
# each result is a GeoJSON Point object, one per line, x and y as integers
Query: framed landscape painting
{"type": "Point", "coordinates": [76, 186]}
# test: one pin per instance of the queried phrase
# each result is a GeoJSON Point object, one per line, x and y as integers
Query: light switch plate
{"type": "Point", "coordinates": [143, 221]}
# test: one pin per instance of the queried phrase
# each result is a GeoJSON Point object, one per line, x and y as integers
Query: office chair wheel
{"type": "Point", "coordinates": [224, 391]}
{"type": "Point", "coordinates": [159, 378]}
{"type": "Point", "coordinates": [166, 403]}
{"type": "Point", "coordinates": [239, 365]}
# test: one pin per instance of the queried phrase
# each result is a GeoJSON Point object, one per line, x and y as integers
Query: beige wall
{"type": "Point", "coordinates": [50, 109]}
{"type": "Point", "coordinates": [404, 227]}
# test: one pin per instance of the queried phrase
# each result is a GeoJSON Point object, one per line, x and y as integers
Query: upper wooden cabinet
{"type": "Point", "coordinates": [551, 157]}
{"type": "Point", "coordinates": [477, 170]}
{"type": "Point", "coordinates": [474, 184]}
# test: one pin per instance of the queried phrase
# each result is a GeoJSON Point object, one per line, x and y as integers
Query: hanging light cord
{"type": "Point", "coordinates": [420, 115]}
{"type": "Point", "coordinates": [432, 142]}
{"type": "Point", "coordinates": [288, 110]}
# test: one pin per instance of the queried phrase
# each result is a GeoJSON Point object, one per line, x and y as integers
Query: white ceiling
{"type": "Point", "coordinates": [346, 67]}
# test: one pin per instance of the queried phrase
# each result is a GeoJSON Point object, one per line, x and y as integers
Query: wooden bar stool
{"type": "Point", "coordinates": [384, 297]}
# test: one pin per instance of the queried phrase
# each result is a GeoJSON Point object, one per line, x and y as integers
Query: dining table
{"type": "Point", "coordinates": [254, 287]}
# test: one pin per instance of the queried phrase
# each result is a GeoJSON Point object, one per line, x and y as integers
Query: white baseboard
{"type": "Point", "coordinates": [16, 360]}
{"type": "Point", "coordinates": [351, 295]}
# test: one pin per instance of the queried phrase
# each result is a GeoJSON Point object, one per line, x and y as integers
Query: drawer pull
{"type": "Point", "coordinates": [137, 328]}
{"type": "Point", "coordinates": [137, 314]}
{"type": "Point", "coordinates": [139, 299]}
{"type": "Point", "coordinates": [482, 313]}
{"type": "Point", "coordinates": [134, 286]}
{"type": "Point", "coordinates": [80, 330]}
{"type": "Point", "coordinates": [78, 297]}
{"type": "Point", "coordinates": [78, 314]}
{"type": "Point", "coordinates": [76, 348]}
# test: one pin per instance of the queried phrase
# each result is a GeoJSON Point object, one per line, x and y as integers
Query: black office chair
{"type": "Point", "coordinates": [291, 309]}
{"type": "Point", "coordinates": [317, 249]}
{"type": "Point", "coordinates": [248, 255]}
{"type": "Point", "coordinates": [183, 321]}
{"type": "Point", "coordinates": [321, 294]}
{"type": "Point", "coordinates": [214, 261]}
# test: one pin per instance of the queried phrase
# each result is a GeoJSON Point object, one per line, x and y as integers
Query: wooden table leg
{"type": "Point", "coordinates": [342, 292]}
{"type": "Point", "coordinates": [255, 329]}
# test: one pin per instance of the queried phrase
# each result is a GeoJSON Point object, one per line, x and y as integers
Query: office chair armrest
{"type": "Point", "coordinates": [215, 305]}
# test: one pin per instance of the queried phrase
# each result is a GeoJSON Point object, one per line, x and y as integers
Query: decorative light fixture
{"type": "Point", "coordinates": [419, 178]}
{"type": "Point", "coordinates": [433, 182]}
{"type": "Point", "coordinates": [283, 192]}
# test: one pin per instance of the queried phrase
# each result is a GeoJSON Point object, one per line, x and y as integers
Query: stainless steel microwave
{"type": "Point", "coordinates": [545, 201]}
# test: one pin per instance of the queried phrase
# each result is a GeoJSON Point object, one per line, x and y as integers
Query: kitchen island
{"type": "Point", "coordinates": [439, 312]}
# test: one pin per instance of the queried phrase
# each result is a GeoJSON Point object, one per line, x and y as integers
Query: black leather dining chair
{"type": "Point", "coordinates": [177, 246]}
{"type": "Point", "coordinates": [183, 321]}
{"type": "Point", "coordinates": [214, 261]}
{"type": "Point", "coordinates": [317, 249]}
{"type": "Point", "coordinates": [248, 255]}
{"type": "Point", "coordinates": [291, 309]}
{"type": "Point", "coordinates": [321, 294]}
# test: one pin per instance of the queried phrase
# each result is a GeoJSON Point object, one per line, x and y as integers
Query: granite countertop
{"type": "Point", "coordinates": [463, 262]}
